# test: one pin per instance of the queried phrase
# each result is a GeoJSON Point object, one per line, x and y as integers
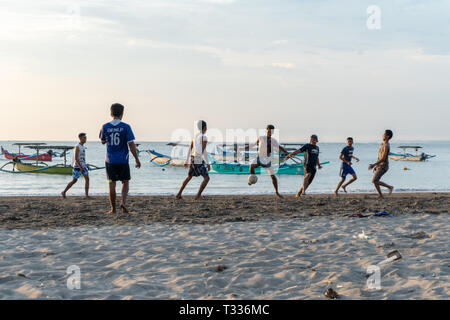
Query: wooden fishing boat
{"type": "Point", "coordinates": [238, 168]}
{"type": "Point", "coordinates": [18, 166]}
{"type": "Point", "coordinates": [43, 168]}
{"type": "Point", "coordinates": [162, 160]}
{"type": "Point", "coordinates": [33, 157]}
{"type": "Point", "coordinates": [408, 156]}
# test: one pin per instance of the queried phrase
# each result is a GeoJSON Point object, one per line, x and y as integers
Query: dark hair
{"type": "Point", "coordinates": [389, 133]}
{"type": "Point", "coordinates": [82, 134]}
{"type": "Point", "coordinates": [117, 110]}
{"type": "Point", "coordinates": [314, 137]}
{"type": "Point", "coordinates": [350, 138]}
{"type": "Point", "coordinates": [201, 125]}
{"type": "Point", "coordinates": [270, 127]}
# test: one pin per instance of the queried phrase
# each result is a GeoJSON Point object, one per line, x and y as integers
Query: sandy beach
{"type": "Point", "coordinates": [225, 247]}
{"type": "Point", "coordinates": [55, 212]}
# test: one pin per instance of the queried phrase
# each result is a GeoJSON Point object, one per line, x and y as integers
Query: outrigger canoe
{"type": "Point", "coordinates": [237, 168]}
{"type": "Point", "coordinates": [41, 167]}
{"type": "Point", "coordinates": [162, 160]}
{"type": "Point", "coordinates": [408, 156]}
{"type": "Point", "coordinates": [33, 157]}
{"type": "Point", "coordinates": [55, 169]}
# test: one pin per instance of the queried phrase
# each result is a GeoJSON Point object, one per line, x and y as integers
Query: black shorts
{"type": "Point", "coordinates": [312, 173]}
{"type": "Point", "coordinates": [118, 172]}
{"type": "Point", "coordinates": [198, 169]}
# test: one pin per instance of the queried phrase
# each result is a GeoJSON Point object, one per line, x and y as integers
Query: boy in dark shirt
{"type": "Point", "coordinates": [311, 151]}
{"type": "Point", "coordinates": [346, 157]}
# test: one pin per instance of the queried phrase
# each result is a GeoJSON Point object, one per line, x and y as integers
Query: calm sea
{"type": "Point", "coordinates": [429, 176]}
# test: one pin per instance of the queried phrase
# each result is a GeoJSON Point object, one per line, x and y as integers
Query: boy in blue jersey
{"type": "Point", "coordinates": [118, 137]}
{"type": "Point", "coordinates": [346, 157]}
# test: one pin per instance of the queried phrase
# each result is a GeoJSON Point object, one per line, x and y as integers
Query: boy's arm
{"type": "Point", "coordinates": [188, 157]}
{"type": "Point", "coordinates": [134, 152]}
{"type": "Point", "coordinates": [102, 136]}
{"type": "Point", "coordinates": [302, 149]}
{"type": "Point", "coordinates": [318, 163]}
{"type": "Point", "coordinates": [205, 154]}
{"type": "Point", "coordinates": [357, 160]}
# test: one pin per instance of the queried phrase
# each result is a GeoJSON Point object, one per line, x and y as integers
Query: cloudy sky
{"type": "Point", "coordinates": [306, 66]}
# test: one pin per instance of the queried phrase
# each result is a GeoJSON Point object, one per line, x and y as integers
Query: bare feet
{"type": "Point", "coordinates": [124, 209]}
{"type": "Point", "coordinates": [112, 211]}
{"type": "Point", "coordinates": [390, 190]}
{"type": "Point", "coordinates": [63, 194]}
{"type": "Point", "coordinates": [298, 195]}
{"type": "Point", "coordinates": [279, 195]}
{"type": "Point", "coordinates": [198, 198]}
{"type": "Point", "coordinates": [344, 188]}
{"type": "Point", "coordinates": [178, 196]}
{"type": "Point", "coordinates": [336, 193]}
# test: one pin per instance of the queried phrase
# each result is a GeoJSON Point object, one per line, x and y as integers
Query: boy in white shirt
{"type": "Point", "coordinates": [197, 160]}
{"type": "Point", "coordinates": [79, 166]}
{"type": "Point", "coordinates": [267, 145]}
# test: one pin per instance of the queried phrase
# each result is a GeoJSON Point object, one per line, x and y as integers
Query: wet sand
{"type": "Point", "coordinates": [55, 212]}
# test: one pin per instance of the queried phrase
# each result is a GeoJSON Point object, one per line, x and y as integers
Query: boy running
{"type": "Point", "coordinates": [311, 151]}
{"type": "Point", "coordinates": [194, 160]}
{"type": "Point", "coordinates": [346, 157]}
{"type": "Point", "coordinates": [266, 145]}
{"type": "Point", "coordinates": [118, 137]}
{"type": "Point", "coordinates": [382, 165]}
{"type": "Point", "coordinates": [79, 166]}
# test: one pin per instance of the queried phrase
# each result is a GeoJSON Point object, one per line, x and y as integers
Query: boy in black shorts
{"type": "Point", "coordinates": [311, 151]}
{"type": "Point", "coordinates": [197, 160]}
{"type": "Point", "coordinates": [119, 139]}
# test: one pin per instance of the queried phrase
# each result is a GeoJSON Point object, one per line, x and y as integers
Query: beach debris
{"type": "Point", "coordinates": [358, 215]}
{"type": "Point", "coordinates": [418, 235]}
{"type": "Point", "coordinates": [391, 256]}
{"type": "Point", "coordinates": [386, 245]}
{"type": "Point", "coordinates": [221, 268]}
{"type": "Point", "coordinates": [363, 236]}
{"type": "Point", "coordinates": [22, 275]}
{"type": "Point", "coordinates": [331, 294]}
{"type": "Point", "coordinates": [382, 213]}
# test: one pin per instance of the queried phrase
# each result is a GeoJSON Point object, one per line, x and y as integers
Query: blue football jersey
{"type": "Point", "coordinates": [117, 135]}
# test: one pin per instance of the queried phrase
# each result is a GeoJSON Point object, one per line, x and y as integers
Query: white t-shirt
{"type": "Point", "coordinates": [197, 150]}
{"type": "Point", "coordinates": [81, 156]}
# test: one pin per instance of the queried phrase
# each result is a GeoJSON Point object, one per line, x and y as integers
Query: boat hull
{"type": "Point", "coordinates": [232, 168]}
{"type": "Point", "coordinates": [397, 157]}
{"type": "Point", "coordinates": [163, 160]}
{"type": "Point", "coordinates": [59, 169]}
{"type": "Point", "coordinates": [41, 157]}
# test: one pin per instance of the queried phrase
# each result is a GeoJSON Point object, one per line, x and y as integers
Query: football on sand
{"type": "Point", "coordinates": [252, 179]}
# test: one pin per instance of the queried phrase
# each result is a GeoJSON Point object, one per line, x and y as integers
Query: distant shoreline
{"type": "Point", "coordinates": [40, 212]}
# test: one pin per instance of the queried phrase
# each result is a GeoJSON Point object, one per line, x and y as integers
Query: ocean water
{"type": "Point", "coordinates": [430, 176]}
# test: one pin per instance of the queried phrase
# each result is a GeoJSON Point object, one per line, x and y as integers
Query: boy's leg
{"type": "Point", "coordinates": [275, 185]}
{"type": "Point", "coordinates": [304, 184]}
{"type": "Point", "coordinates": [202, 187]}
{"type": "Point", "coordinates": [379, 172]}
{"type": "Point", "coordinates": [112, 196]}
{"type": "Point", "coordinates": [353, 179]}
{"type": "Point", "coordinates": [381, 183]}
{"type": "Point", "coordinates": [69, 185]}
{"type": "Point", "coordinates": [253, 166]}
{"type": "Point", "coordinates": [309, 177]}
{"type": "Point", "coordinates": [183, 185]}
{"type": "Point", "coordinates": [86, 185]}
{"type": "Point", "coordinates": [125, 188]}
{"type": "Point", "coordinates": [339, 186]}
